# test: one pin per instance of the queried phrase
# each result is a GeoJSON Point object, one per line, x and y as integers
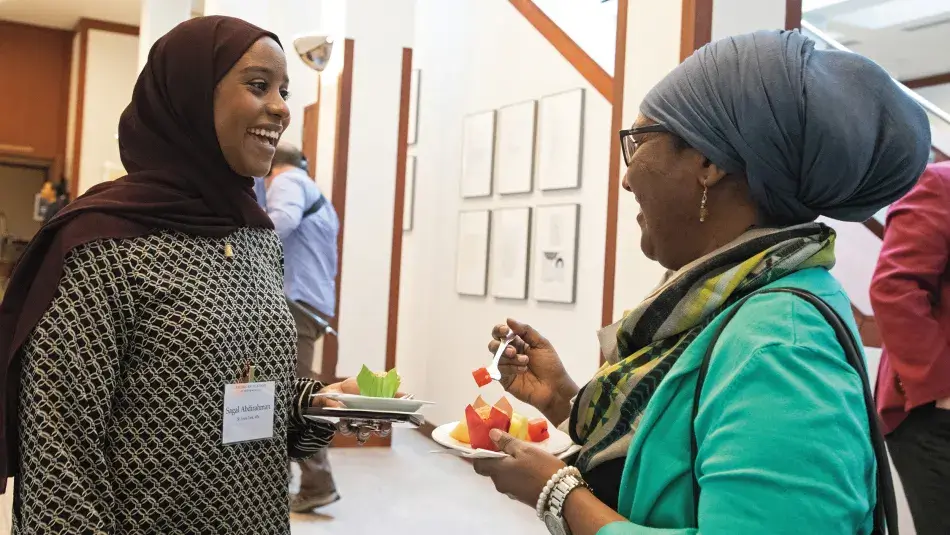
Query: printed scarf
{"type": "Point", "coordinates": [642, 347]}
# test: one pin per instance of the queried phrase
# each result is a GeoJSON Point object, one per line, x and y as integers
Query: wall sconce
{"type": "Point", "coordinates": [314, 50]}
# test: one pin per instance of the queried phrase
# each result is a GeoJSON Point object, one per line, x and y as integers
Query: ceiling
{"type": "Point", "coordinates": [65, 13]}
{"type": "Point", "coordinates": [906, 37]}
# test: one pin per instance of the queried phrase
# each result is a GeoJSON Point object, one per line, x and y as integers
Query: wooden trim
{"type": "Point", "coordinates": [395, 261]}
{"type": "Point", "coordinates": [308, 138]}
{"type": "Point", "coordinates": [86, 24]}
{"type": "Point", "coordinates": [793, 14]}
{"type": "Point", "coordinates": [80, 105]}
{"type": "Point", "coordinates": [927, 81]}
{"type": "Point", "coordinates": [341, 153]}
{"type": "Point", "coordinates": [82, 28]}
{"type": "Point", "coordinates": [574, 54]}
{"type": "Point", "coordinates": [697, 26]}
{"type": "Point", "coordinates": [613, 178]}
{"type": "Point", "coordinates": [876, 227]}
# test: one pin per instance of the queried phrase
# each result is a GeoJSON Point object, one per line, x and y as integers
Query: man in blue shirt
{"type": "Point", "coordinates": [308, 227]}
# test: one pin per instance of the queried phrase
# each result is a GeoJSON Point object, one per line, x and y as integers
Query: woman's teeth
{"type": "Point", "coordinates": [268, 135]}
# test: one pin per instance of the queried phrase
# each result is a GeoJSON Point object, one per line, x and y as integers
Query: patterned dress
{"type": "Point", "coordinates": [121, 402]}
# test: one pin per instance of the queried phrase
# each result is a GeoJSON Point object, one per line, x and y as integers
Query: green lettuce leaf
{"type": "Point", "coordinates": [378, 385]}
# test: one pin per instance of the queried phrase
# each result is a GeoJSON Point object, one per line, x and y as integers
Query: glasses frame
{"type": "Point", "coordinates": [627, 136]}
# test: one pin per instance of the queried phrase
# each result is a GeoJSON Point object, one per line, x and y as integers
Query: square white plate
{"type": "Point", "coordinates": [367, 403]}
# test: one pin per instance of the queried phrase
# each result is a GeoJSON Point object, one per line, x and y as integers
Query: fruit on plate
{"type": "Point", "coordinates": [481, 377]}
{"type": "Point", "coordinates": [519, 426]}
{"type": "Point", "coordinates": [480, 425]}
{"type": "Point", "coordinates": [502, 416]}
{"type": "Point", "coordinates": [538, 430]}
{"type": "Point", "coordinates": [378, 384]}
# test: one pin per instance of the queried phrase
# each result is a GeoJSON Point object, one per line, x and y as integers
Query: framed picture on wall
{"type": "Point", "coordinates": [471, 270]}
{"type": "Point", "coordinates": [555, 253]}
{"type": "Point", "coordinates": [514, 164]}
{"type": "Point", "coordinates": [560, 135]}
{"type": "Point", "coordinates": [478, 151]}
{"type": "Point", "coordinates": [408, 206]}
{"type": "Point", "coordinates": [509, 252]}
{"type": "Point", "coordinates": [414, 80]}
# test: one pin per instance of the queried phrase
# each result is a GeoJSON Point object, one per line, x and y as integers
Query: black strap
{"type": "Point", "coordinates": [885, 510]}
{"type": "Point", "coordinates": [315, 207]}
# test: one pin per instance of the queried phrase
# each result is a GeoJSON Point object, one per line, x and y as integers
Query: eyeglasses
{"type": "Point", "coordinates": [629, 145]}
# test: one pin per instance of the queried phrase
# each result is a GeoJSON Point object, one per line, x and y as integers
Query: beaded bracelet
{"type": "Point", "coordinates": [549, 487]}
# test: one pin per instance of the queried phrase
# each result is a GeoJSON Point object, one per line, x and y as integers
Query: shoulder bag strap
{"type": "Point", "coordinates": [315, 207]}
{"type": "Point", "coordinates": [885, 510]}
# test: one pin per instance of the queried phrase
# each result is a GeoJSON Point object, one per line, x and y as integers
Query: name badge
{"type": "Point", "coordinates": [248, 412]}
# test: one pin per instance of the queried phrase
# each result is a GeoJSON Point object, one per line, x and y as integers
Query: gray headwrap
{"type": "Point", "coordinates": [816, 132]}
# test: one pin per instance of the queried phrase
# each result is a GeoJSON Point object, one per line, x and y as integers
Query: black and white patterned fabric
{"type": "Point", "coordinates": [123, 384]}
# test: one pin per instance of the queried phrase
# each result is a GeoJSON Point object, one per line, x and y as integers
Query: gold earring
{"type": "Point", "coordinates": [703, 211]}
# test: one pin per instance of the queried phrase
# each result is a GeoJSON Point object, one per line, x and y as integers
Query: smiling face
{"type": "Point", "coordinates": [250, 108]}
{"type": "Point", "coordinates": [668, 179]}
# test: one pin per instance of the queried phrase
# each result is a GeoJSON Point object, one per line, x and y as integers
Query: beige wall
{"type": "Point", "coordinates": [19, 186]}
{"type": "Point", "coordinates": [111, 70]}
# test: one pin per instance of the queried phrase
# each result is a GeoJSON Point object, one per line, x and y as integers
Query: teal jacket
{"type": "Point", "coordinates": [782, 429]}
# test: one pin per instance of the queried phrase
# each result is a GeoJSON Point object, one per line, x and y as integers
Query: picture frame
{"type": "Point", "coordinates": [472, 250]}
{"type": "Point", "coordinates": [414, 85]}
{"type": "Point", "coordinates": [554, 278]}
{"type": "Point", "coordinates": [510, 252]}
{"type": "Point", "coordinates": [514, 162]}
{"type": "Point", "coordinates": [409, 194]}
{"type": "Point", "coordinates": [560, 140]}
{"type": "Point", "coordinates": [478, 151]}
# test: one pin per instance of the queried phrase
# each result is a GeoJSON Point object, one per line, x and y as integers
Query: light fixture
{"type": "Point", "coordinates": [314, 50]}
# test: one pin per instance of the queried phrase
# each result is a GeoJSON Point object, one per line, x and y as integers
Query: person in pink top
{"type": "Point", "coordinates": [910, 295]}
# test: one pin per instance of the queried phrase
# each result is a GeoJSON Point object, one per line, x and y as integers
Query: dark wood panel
{"type": "Point", "coordinates": [36, 64]}
{"type": "Point", "coordinates": [697, 26]}
{"type": "Point", "coordinates": [614, 168]}
{"type": "Point", "coordinates": [793, 14]}
{"type": "Point", "coordinates": [341, 154]}
{"type": "Point", "coordinates": [395, 262]}
{"type": "Point", "coordinates": [927, 81]}
{"type": "Point", "coordinates": [311, 124]}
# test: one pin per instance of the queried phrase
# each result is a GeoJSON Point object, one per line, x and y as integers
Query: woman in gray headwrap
{"type": "Point", "coordinates": [736, 153]}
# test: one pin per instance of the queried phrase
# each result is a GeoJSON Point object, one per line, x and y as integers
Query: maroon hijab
{"type": "Point", "coordinates": [178, 180]}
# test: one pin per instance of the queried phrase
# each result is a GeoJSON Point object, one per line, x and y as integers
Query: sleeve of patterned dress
{"type": "Point", "coordinates": [70, 373]}
{"type": "Point", "coordinates": [306, 437]}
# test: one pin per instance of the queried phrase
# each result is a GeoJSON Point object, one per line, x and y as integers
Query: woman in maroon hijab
{"type": "Point", "coordinates": [148, 352]}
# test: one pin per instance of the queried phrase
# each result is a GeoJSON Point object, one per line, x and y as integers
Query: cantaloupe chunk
{"type": "Point", "coordinates": [460, 433]}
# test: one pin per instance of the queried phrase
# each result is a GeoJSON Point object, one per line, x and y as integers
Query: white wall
{"type": "Point", "coordinates": [380, 30]}
{"type": "Point", "coordinates": [856, 250]}
{"type": "Point", "coordinates": [592, 24]}
{"type": "Point", "coordinates": [653, 49]}
{"type": "Point", "coordinates": [734, 17]}
{"type": "Point", "coordinates": [476, 55]}
{"type": "Point", "coordinates": [111, 70]}
{"type": "Point", "coordinates": [937, 94]}
{"type": "Point", "coordinates": [290, 19]}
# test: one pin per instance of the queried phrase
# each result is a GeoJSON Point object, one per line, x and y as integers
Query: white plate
{"type": "Point", "coordinates": [367, 403]}
{"type": "Point", "coordinates": [558, 443]}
